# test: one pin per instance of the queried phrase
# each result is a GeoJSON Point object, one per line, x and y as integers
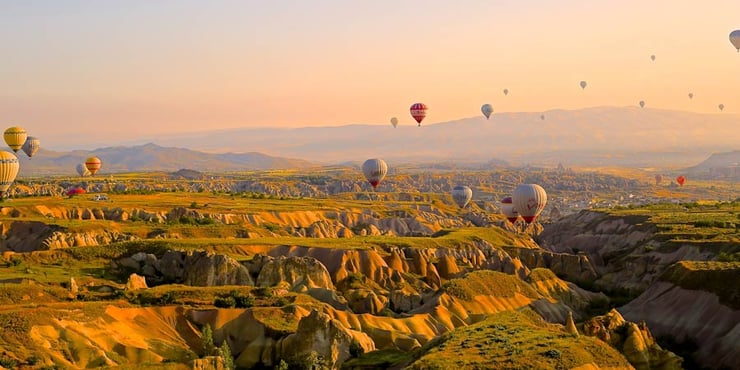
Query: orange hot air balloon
{"type": "Point", "coordinates": [418, 111]}
{"type": "Point", "coordinates": [681, 180]}
{"type": "Point", "coordinates": [93, 164]}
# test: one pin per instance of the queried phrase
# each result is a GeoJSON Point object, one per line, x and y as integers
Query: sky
{"type": "Point", "coordinates": [82, 71]}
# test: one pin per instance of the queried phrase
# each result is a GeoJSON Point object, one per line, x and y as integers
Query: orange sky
{"type": "Point", "coordinates": [139, 69]}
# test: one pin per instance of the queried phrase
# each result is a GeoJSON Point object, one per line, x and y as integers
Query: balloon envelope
{"type": "Point", "coordinates": [506, 91]}
{"type": "Point", "coordinates": [583, 84]}
{"type": "Point", "coordinates": [642, 104]}
{"type": "Point", "coordinates": [394, 121]}
{"type": "Point", "coordinates": [542, 117]}
{"type": "Point", "coordinates": [486, 109]}
{"type": "Point", "coordinates": [721, 106]}
{"type": "Point", "coordinates": [652, 57]}
{"type": "Point", "coordinates": [691, 95]}
{"type": "Point", "coordinates": [374, 170]}
{"type": "Point", "coordinates": [82, 170]}
{"type": "Point", "coordinates": [735, 39]}
{"type": "Point", "coordinates": [529, 200]}
{"type": "Point", "coordinates": [15, 137]}
{"type": "Point", "coordinates": [507, 208]}
{"type": "Point", "coordinates": [681, 180]}
{"type": "Point", "coordinates": [418, 111]}
{"type": "Point", "coordinates": [93, 164]}
{"type": "Point", "coordinates": [462, 195]}
{"type": "Point", "coordinates": [658, 179]}
{"type": "Point", "coordinates": [31, 146]}
{"type": "Point", "coordinates": [75, 191]}
{"type": "Point", "coordinates": [8, 171]}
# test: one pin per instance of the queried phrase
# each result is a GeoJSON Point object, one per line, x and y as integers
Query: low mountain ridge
{"type": "Point", "coordinates": [152, 157]}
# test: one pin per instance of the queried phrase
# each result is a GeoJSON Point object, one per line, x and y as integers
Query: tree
{"type": "Point", "coordinates": [207, 346]}
{"type": "Point", "coordinates": [225, 353]}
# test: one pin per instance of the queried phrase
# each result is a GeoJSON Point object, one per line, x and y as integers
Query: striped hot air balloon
{"type": "Point", "coordinates": [93, 164]}
{"type": "Point", "coordinates": [374, 170]}
{"type": "Point", "coordinates": [8, 171]}
{"type": "Point", "coordinates": [418, 111]}
{"type": "Point", "coordinates": [15, 137]}
{"type": "Point", "coordinates": [31, 146]}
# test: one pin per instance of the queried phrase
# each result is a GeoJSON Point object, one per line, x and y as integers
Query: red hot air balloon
{"type": "Point", "coordinates": [418, 111]}
{"type": "Point", "coordinates": [75, 191]}
{"type": "Point", "coordinates": [681, 180]}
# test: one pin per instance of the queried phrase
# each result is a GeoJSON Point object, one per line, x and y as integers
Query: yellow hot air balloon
{"type": "Point", "coordinates": [8, 171]}
{"type": "Point", "coordinates": [93, 164]}
{"type": "Point", "coordinates": [15, 137]}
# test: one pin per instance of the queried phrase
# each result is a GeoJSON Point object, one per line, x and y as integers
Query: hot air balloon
{"type": "Point", "coordinates": [642, 104]}
{"type": "Point", "coordinates": [486, 109]}
{"type": "Point", "coordinates": [15, 137]}
{"type": "Point", "coordinates": [418, 111]}
{"type": "Point", "coordinates": [82, 170]}
{"type": "Point", "coordinates": [507, 208]}
{"type": "Point", "coordinates": [394, 121]}
{"type": "Point", "coordinates": [8, 171]}
{"type": "Point", "coordinates": [529, 200]}
{"type": "Point", "coordinates": [583, 84]}
{"type": "Point", "coordinates": [542, 117]}
{"type": "Point", "coordinates": [31, 146]}
{"type": "Point", "coordinates": [691, 95]}
{"type": "Point", "coordinates": [93, 164]}
{"type": "Point", "coordinates": [374, 170]}
{"type": "Point", "coordinates": [462, 195]}
{"type": "Point", "coordinates": [721, 107]}
{"type": "Point", "coordinates": [681, 180]}
{"type": "Point", "coordinates": [652, 57]}
{"type": "Point", "coordinates": [506, 91]}
{"type": "Point", "coordinates": [658, 179]}
{"type": "Point", "coordinates": [75, 191]}
{"type": "Point", "coordinates": [735, 39]}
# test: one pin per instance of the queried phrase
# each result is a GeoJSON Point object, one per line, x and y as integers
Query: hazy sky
{"type": "Point", "coordinates": [136, 69]}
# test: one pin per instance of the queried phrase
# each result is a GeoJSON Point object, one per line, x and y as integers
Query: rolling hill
{"type": "Point", "coordinates": [152, 157]}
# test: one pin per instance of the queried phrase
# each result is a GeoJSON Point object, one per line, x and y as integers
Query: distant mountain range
{"type": "Point", "coordinates": [152, 157]}
{"type": "Point", "coordinates": [619, 136]}
{"type": "Point", "coordinates": [600, 136]}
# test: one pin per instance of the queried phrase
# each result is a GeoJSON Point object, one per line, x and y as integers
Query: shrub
{"type": "Point", "coordinates": [224, 302]}
{"type": "Point", "coordinates": [553, 353]}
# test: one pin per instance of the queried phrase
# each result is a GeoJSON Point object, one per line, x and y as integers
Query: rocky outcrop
{"type": "Point", "coordinates": [135, 282]}
{"type": "Point", "coordinates": [298, 273]}
{"type": "Point", "coordinates": [327, 337]}
{"type": "Point", "coordinates": [190, 268]}
{"type": "Point", "coordinates": [634, 340]}
{"type": "Point", "coordinates": [691, 315]}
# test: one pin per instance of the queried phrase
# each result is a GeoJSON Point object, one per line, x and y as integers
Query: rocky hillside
{"type": "Point", "coordinates": [698, 304]}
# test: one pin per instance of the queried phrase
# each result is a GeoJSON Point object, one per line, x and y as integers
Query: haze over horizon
{"type": "Point", "coordinates": [80, 72]}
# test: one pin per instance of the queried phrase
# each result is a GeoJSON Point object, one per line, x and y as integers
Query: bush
{"type": "Point", "coordinates": [224, 302]}
{"type": "Point", "coordinates": [8, 363]}
{"type": "Point", "coordinates": [553, 353]}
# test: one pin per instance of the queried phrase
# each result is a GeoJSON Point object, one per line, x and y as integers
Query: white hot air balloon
{"type": "Point", "coordinates": [462, 195]}
{"type": "Point", "coordinates": [507, 208]}
{"type": "Point", "coordinates": [486, 109]}
{"type": "Point", "coordinates": [721, 107]}
{"type": "Point", "coordinates": [642, 104]}
{"type": "Point", "coordinates": [735, 39]}
{"type": "Point", "coordinates": [374, 170]}
{"type": "Point", "coordinates": [394, 121]}
{"type": "Point", "coordinates": [82, 170]}
{"type": "Point", "coordinates": [8, 171]}
{"type": "Point", "coordinates": [583, 84]}
{"type": "Point", "coordinates": [529, 200]}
